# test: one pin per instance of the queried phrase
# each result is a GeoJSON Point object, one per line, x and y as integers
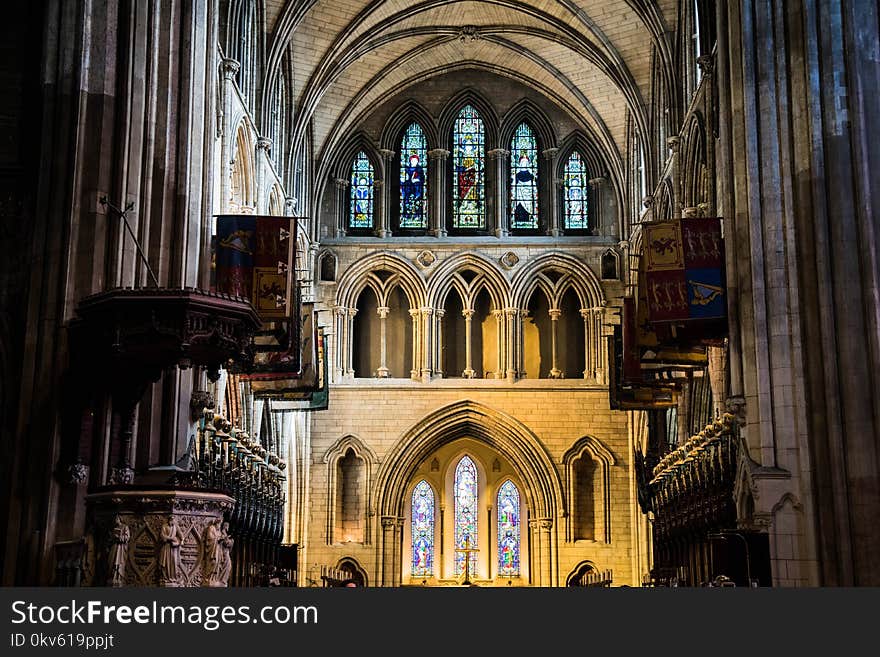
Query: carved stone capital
{"type": "Point", "coordinates": [264, 144]}
{"type": "Point", "coordinates": [549, 153]}
{"type": "Point", "coordinates": [672, 143]}
{"type": "Point", "coordinates": [467, 313]}
{"type": "Point", "coordinates": [230, 68]}
{"type": "Point", "coordinates": [438, 154]}
{"type": "Point", "coordinates": [387, 153]}
{"type": "Point", "coordinates": [341, 183]}
{"type": "Point", "coordinates": [498, 153]}
{"type": "Point", "coordinates": [555, 313]}
{"type": "Point", "coordinates": [597, 182]}
{"type": "Point", "coordinates": [383, 311]}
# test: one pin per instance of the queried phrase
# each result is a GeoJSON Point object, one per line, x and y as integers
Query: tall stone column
{"type": "Point", "coordinates": [555, 372]}
{"type": "Point", "coordinates": [468, 315]}
{"type": "Point", "coordinates": [389, 532]}
{"type": "Point", "coordinates": [500, 156]}
{"type": "Point", "coordinates": [386, 193]}
{"type": "Point", "coordinates": [416, 316]}
{"type": "Point", "coordinates": [589, 344]}
{"type": "Point", "coordinates": [598, 187]}
{"type": "Point", "coordinates": [349, 342]}
{"type": "Point", "coordinates": [383, 371]}
{"type": "Point", "coordinates": [437, 187]}
{"type": "Point", "coordinates": [262, 164]}
{"type": "Point", "coordinates": [799, 134]}
{"type": "Point", "coordinates": [551, 195]}
{"type": "Point", "coordinates": [380, 216]}
{"type": "Point", "coordinates": [427, 343]}
{"type": "Point", "coordinates": [129, 95]}
{"type": "Point", "coordinates": [340, 342]}
{"type": "Point", "coordinates": [397, 566]}
{"type": "Point", "coordinates": [513, 336]}
{"type": "Point", "coordinates": [342, 206]}
{"type": "Point", "coordinates": [439, 313]}
{"type": "Point", "coordinates": [542, 557]}
{"type": "Point", "coordinates": [229, 68]}
{"type": "Point", "coordinates": [558, 227]}
{"type": "Point", "coordinates": [501, 340]}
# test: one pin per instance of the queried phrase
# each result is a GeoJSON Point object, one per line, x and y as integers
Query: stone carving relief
{"type": "Point", "coordinates": [509, 260]}
{"type": "Point", "coordinates": [425, 259]}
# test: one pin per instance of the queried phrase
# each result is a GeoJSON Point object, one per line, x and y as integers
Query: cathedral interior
{"type": "Point", "coordinates": [533, 293]}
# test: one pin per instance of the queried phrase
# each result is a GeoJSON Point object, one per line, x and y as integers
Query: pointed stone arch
{"type": "Point", "coordinates": [443, 279]}
{"type": "Point", "coordinates": [350, 447]}
{"type": "Point", "coordinates": [356, 277]}
{"type": "Point", "coordinates": [603, 460]}
{"type": "Point", "coordinates": [452, 108]}
{"type": "Point", "coordinates": [527, 111]}
{"type": "Point", "coordinates": [541, 486]}
{"type": "Point", "coordinates": [411, 111]}
{"type": "Point", "coordinates": [576, 274]}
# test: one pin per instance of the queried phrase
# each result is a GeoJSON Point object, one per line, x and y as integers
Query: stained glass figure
{"type": "Point", "coordinates": [468, 179]}
{"type": "Point", "coordinates": [361, 195]}
{"type": "Point", "coordinates": [576, 193]}
{"type": "Point", "coordinates": [508, 530]}
{"type": "Point", "coordinates": [414, 178]}
{"type": "Point", "coordinates": [465, 512]}
{"type": "Point", "coordinates": [423, 530]}
{"type": "Point", "coordinates": [524, 178]}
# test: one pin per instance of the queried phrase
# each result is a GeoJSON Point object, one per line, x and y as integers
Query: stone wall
{"type": "Point", "coordinates": [558, 413]}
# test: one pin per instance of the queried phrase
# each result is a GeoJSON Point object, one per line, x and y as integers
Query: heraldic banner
{"type": "Point", "coordinates": [254, 260]}
{"type": "Point", "coordinates": [684, 270]}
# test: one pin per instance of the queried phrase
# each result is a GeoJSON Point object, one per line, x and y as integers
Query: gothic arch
{"type": "Point", "coordinates": [444, 278]}
{"type": "Point", "coordinates": [357, 276]}
{"type": "Point", "coordinates": [362, 452]}
{"type": "Point", "coordinates": [579, 571]}
{"type": "Point", "coordinates": [358, 142]}
{"type": "Point", "coordinates": [528, 111]}
{"type": "Point", "coordinates": [576, 275]}
{"type": "Point", "coordinates": [410, 111]}
{"type": "Point", "coordinates": [452, 108]}
{"type": "Point", "coordinates": [243, 179]}
{"type": "Point", "coordinates": [542, 488]}
{"type": "Point", "coordinates": [596, 451]}
{"type": "Point", "coordinates": [358, 573]}
{"type": "Point", "coordinates": [694, 165]}
{"type": "Point", "coordinates": [578, 140]}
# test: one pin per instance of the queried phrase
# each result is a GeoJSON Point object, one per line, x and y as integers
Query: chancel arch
{"type": "Point", "coordinates": [457, 428]}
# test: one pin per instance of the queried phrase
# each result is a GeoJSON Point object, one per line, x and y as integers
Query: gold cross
{"type": "Point", "coordinates": [467, 550]}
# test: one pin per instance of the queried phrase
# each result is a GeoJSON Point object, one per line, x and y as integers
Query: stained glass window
{"type": "Point", "coordinates": [468, 175]}
{"type": "Point", "coordinates": [524, 178]}
{"type": "Point", "coordinates": [361, 196]}
{"type": "Point", "coordinates": [576, 192]}
{"type": "Point", "coordinates": [423, 530]}
{"type": "Point", "coordinates": [414, 178]}
{"type": "Point", "coordinates": [465, 513]}
{"type": "Point", "coordinates": [508, 530]}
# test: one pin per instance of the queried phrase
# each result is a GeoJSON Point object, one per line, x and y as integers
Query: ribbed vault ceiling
{"type": "Point", "coordinates": [593, 58]}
